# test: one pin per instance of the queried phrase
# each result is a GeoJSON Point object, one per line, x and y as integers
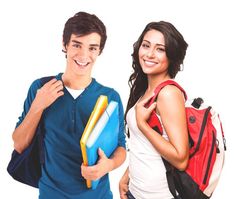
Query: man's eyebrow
{"type": "Point", "coordinates": [78, 42]}
{"type": "Point", "coordinates": [94, 45]}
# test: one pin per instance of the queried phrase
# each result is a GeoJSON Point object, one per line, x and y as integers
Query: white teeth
{"type": "Point", "coordinates": [149, 63]}
{"type": "Point", "coordinates": [82, 63]}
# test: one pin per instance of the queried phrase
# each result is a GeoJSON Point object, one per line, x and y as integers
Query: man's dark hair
{"type": "Point", "coordinates": [83, 23]}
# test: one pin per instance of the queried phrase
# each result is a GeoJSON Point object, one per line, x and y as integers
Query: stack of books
{"type": "Point", "coordinates": [101, 131]}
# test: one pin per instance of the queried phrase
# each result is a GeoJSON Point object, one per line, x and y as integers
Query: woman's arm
{"type": "Point", "coordinates": [123, 184]}
{"type": "Point", "coordinates": [170, 106]}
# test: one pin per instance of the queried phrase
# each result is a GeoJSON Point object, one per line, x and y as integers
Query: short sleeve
{"type": "Point", "coordinates": [121, 137]}
{"type": "Point", "coordinates": [29, 99]}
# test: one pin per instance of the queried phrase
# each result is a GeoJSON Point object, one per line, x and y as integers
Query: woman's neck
{"type": "Point", "coordinates": [153, 82]}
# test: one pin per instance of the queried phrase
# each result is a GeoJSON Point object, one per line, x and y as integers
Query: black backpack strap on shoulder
{"type": "Point", "coordinates": [40, 133]}
{"type": "Point", "coordinates": [44, 80]}
{"type": "Point", "coordinates": [40, 129]}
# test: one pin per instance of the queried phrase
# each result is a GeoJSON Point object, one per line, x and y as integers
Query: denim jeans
{"type": "Point", "coordinates": [129, 195]}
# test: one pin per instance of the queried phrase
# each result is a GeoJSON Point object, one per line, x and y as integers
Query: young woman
{"type": "Point", "coordinates": [157, 56]}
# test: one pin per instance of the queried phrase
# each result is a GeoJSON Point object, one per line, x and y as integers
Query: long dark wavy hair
{"type": "Point", "coordinates": [175, 47]}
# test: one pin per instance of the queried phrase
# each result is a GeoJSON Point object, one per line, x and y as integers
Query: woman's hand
{"type": "Point", "coordinates": [143, 113]}
{"type": "Point", "coordinates": [123, 185]}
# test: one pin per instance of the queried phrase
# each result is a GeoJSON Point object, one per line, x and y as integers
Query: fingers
{"type": "Point", "coordinates": [98, 170]}
{"type": "Point", "coordinates": [60, 93]}
{"type": "Point", "coordinates": [101, 153]}
{"type": "Point", "coordinates": [152, 107]}
{"type": "Point", "coordinates": [58, 84]}
{"type": "Point", "coordinates": [146, 100]}
{"type": "Point", "coordinates": [90, 172]}
{"type": "Point", "coordinates": [123, 196]}
{"type": "Point", "coordinates": [54, 85]}
{"type": "Point", "coordinates": [49, 83]}
{"type": "Point", "coordinates": [48, 93]}
{"type": "Point", "coordinates": [123, 188]}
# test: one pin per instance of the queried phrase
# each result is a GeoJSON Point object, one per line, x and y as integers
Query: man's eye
{"type": "Point", "coordinates": [93, 49]}
{"type": "Point", "coordinates": [76, 45]}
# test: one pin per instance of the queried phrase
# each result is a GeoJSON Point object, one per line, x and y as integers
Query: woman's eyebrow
{"type": "Point", "coordinates": [155, 44]}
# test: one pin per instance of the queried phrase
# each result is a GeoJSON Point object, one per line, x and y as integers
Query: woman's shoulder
{"type": "Point", "coordinates": [170, 92]}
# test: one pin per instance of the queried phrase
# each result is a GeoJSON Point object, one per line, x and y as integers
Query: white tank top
{"type": "Point", "coordinates": [147, 172]}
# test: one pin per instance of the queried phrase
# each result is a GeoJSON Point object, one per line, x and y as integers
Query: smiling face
{"type": "Point", "coordinates": [152, 54]}
{"type": "Point", "coordinates": [82, 52]}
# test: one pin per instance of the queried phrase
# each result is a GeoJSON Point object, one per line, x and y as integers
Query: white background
{"type": "Point", "coordinates": [31, 43]}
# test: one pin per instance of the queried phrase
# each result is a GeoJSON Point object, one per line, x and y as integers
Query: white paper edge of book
{"type": "Point", "coordinates": [101, 123]}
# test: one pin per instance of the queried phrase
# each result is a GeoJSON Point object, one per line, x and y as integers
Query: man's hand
{"type": "Point", "coordinates": [48, 93]}
{"type": "Point", "coordinates": [103, 166]}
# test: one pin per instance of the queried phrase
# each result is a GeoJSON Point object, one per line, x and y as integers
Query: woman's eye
{"type": "Point", "coordinates": [160, 49]}
{"type": "Point", "coordinates": [145, 45]}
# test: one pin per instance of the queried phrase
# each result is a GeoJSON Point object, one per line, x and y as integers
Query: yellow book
{"type": "Point", "coordinates": [98, 110]}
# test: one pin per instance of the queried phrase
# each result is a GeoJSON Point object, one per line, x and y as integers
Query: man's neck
{"type": "Point", "coordinates": [76, 82]}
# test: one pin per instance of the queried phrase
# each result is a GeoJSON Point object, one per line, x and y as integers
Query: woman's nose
{"type": "Point", "coordinates": [151, 53]}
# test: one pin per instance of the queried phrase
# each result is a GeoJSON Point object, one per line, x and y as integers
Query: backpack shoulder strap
{"type": "Point", "coordinates": [44, 80]}
{"type": "Point", "coordinates": [165, 83]}
{"type": "Point", "coordinates": [40, 131]}
{"type": "Point", "coordinates": [156, 122]}
{"type": "Point", "coordinates": [168, 166]}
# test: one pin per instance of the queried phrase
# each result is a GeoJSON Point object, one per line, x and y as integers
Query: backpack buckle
{"type": "Point", "coordinates": [197, 102]}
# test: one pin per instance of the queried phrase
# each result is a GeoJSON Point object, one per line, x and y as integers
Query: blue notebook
{"type": "Point", "coordinates": [104, 136]}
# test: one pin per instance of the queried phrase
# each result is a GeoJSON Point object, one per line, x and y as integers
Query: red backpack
{"type": "Point", "coordinates": [206, 153]}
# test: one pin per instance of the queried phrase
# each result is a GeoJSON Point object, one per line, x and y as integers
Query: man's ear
{"type": "Point", "coordinates": [100, 51]}
{"type": "Point", "coordinates": [64, 50]}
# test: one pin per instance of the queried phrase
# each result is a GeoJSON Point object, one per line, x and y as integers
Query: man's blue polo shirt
{"type": "Point", "coordinates": [64, 123]}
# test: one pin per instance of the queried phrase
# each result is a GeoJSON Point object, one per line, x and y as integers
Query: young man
{"type": "Point", "coordinates": [65, 104]}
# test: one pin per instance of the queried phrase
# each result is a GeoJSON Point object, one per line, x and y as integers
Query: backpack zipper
{"type": "Point", "coordinates": [204, 122]}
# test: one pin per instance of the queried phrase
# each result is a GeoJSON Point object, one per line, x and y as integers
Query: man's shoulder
{"type": "Point", "coordinates": [45, 79]}
{"type": "Point", "coordinates": [106, 90]}
{"type": "Point", "coordinates": [100, 86]}
{"type": "Point", "coordinates": [40, 81]}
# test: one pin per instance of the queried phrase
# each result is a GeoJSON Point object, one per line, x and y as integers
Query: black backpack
{"type": "Point", "coordinates": [26, 167]}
